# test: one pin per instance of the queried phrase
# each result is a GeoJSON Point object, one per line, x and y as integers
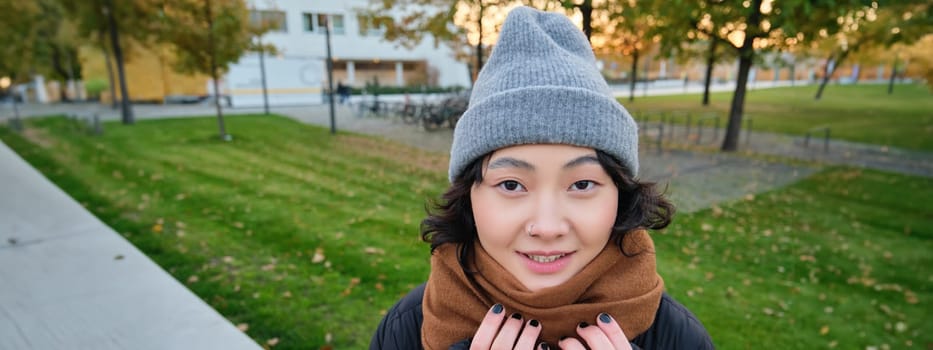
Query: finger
{"type": "Point", "coordinates": [487, 330]}
{"type": "Point", "coordinates": [509, 332]}
{"type": "Point", "coordinates": [594, 337]}
{"type": "Point", "coordinates": [570, 343]}
{"type": "Point", "coordinates": [529, 335]}
{"type": "Point", "coordinates": [613, 331]}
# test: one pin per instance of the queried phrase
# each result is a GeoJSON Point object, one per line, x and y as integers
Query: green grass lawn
{"type": "Point", "coordinates": [307, 238]}
{"type": "Point", "coordinates": [861, 113]}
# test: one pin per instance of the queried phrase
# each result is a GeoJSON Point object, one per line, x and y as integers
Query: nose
{"type": "Point", "coordinates": [549, 219]}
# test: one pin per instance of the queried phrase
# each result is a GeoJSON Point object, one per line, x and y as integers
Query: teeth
{"type": "Point", "coordinates": [544, 258]}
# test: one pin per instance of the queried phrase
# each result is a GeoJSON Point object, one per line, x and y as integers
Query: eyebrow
{"type": "Point", "coordinates": [580, 161]}
{"type": "Point", "coordinates": [506, 162]}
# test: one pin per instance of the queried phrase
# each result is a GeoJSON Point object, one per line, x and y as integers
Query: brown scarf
{"type": "Point", "coordinates": [628, 288]}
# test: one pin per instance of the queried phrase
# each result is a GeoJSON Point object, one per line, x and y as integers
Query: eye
{"type": "Point", "coordinates": [511, 186]}
{"type": "Point", "coordinates": [583, 185]}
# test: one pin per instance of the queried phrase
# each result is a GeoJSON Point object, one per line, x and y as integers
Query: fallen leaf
{"type": "Point", "coordinates": [374, 250]}
{"type": "Point", "coordinates": [318, 256]}
{"type": "Point", "coordinates": [911, 297]}
{"type": "Point", "coordinates": [193, 279]}
{"type": "Point", "coordinates": [824, 330]}
{"type": "Point", "coordinates": [243, 327]}
{"type": "Point", "coordinates": [272, 342]}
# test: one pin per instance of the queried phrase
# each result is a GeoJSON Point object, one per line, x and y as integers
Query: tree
{"type": "Point", "coordinates": [209, 36]}
{"type": "Point", "coordinates": [586, 14]}
{"type": "Point", "coordinates": [630, 29]}
{"type": "Point", "coordinates": [688, 31]}
{"type": "Point", "coordinates": [455, 23]}
{"type": "Point", "coordinates": [749, 26]}
{"type": "Point", "coordinates": [113, 25]}
{"type": "Point", "coordinates": [921, 56]}
{"type": "Point", "coordinates": [59, 46]}
{"type": "Point", "coordinates": [871, 26]}
{"type": "Point", "coordinates": [19, 40]}
{"type": "Point", "coordinates": [259, 25]}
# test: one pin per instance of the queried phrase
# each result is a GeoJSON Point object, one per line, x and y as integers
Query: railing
{"type": "Point", "coordinates": [700, 122]}
{"type": "Point", "coordinates": [825, 129]}
{"type": "Point", "coordinates": [90, 121]}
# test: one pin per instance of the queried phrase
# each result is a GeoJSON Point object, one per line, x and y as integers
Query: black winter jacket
{"type": "Point", "coordinates": [674, 327]}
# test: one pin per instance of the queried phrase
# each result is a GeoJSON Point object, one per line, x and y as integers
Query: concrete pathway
{"type": "Point", "coordinates": [68, 281]}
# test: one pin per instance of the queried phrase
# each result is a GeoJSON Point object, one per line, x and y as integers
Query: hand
{"type": "Point", "coordinates": [605, 334]}
{"type": "Point", "coordinates": [515, 331]}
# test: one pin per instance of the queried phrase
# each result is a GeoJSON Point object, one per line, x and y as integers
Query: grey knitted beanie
{"type": "Point", "coordinates": [541, 85]}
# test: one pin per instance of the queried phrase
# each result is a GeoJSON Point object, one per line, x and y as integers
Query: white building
{"type": "Point", "coordinates": [297, 74]}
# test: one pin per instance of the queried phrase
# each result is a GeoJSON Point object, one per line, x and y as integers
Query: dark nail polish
{"type": "Point", "coordinates": [497, 309]}
{"type": "Point", "coordinates": [584, 324]}
{"type": "Point", "coordinates": [517, 316]}
{"type": "Point", "coordinates": [564, 337]}
{"type": "Point", "coordinates": [544, 346]}
{"type": "Point", "coordinates": [605, 318]}
{"type": "Point", "coordinates": [533, 323]}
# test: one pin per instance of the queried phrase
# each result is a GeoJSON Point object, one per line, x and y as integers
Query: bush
{"type": "Point", "coordinates": [95, 86]}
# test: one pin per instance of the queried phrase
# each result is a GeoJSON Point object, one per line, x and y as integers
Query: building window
{"type": "Point", "coordinates": [368, 27]}
{"type": "Point", "coordinates": [314, 23]}
{"type": "Point", "coordinates": [274, 19]}
{"type": "Point", "coordinates": [337, 24]}
{"type": "Point", "coordinates": [308, 22]}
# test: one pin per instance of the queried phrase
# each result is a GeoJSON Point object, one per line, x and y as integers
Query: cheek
{"type": "Point", "coordinates": [597, 219]}
{"type": "Point", "coordinates": [487, 215]}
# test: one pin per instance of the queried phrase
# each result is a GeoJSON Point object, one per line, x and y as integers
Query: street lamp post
{"type": "Point", "coordinates": [330, 76]}
{"type": "Point", "coordinates": [262, 70]}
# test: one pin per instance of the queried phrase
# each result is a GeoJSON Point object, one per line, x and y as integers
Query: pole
{"type": "Point", "coordinates": [330, 79]}
{"type": "Point", "coordinates": [262, 70]}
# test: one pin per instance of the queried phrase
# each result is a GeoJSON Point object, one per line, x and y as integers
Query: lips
{"type": "Point", "coordinates": [545, 262]}
{"type": "Point", "coordinates": [544, 258]}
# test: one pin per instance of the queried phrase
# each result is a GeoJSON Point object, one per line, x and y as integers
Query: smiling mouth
{"type": "Point", "coordinates": [544, 259]}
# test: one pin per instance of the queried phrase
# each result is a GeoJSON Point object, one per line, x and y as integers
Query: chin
{"type": "Point", "coordinates": [542, 283]}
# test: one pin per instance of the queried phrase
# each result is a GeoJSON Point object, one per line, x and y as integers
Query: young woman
{"type": "Point", "coordinates": [541, 239]}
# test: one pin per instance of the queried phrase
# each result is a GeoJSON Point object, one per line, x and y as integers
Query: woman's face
{"type": "Point", "coordinates": [544, 211]}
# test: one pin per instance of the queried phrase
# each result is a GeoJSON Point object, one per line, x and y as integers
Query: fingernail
{"type": "Point", "coordinates": [605, 318]}
{"type": "Point", "coordinates": [533, 323]}
{"type": "Point", "coordinates": [544, 346]}
{"type": "Point", "coordinates": [497, 309]}
{"type": "Point", "coordinates": [564, 337]}
{"type": "Point", "coordinates": [517, 316]}
{"type": "Point", "coordinates": [584, 324]}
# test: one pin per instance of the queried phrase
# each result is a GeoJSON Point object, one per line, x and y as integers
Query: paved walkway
{"type": "Point", "coordinates": [68, 281]}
